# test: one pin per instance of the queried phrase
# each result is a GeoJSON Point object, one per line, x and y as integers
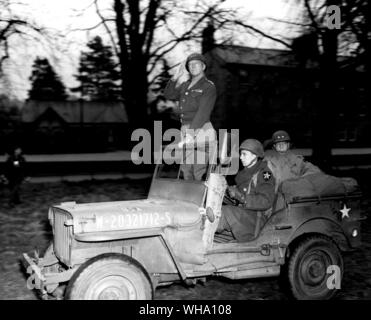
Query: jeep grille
{"type": "Point", "coordinates": [62, 235]}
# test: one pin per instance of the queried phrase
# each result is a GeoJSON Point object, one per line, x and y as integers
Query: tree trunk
{"type": "Point", "coordinates": [367, 59]}
{"type": "Point", "coordinates": [133, 73]}
{"type": "Point", "coordinates": [325, 109]}
{"type": "Point", "coordinates": [136, 94]}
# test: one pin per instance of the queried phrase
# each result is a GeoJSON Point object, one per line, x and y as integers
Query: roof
{"type": "Point", "coordinates": [49, 114]}
{"type": "Point", "coordinates": [266, 57]}
{"type": "Point", "coordinates": [69, 111]}
{"type": "Point", "coordinates": [256, 56]}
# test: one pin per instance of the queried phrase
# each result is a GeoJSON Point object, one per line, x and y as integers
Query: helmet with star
{"type": "Point", "coordinates": [280, 136]}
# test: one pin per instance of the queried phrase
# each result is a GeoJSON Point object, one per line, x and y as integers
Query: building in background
{"type": "Point", "coordinates": [73, 126]}
{"type": "Point", "coordinates": [263, 90]}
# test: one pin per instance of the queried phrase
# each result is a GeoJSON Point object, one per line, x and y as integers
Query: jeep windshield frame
{"type": "Point", "coordinates": [211, 165]}
{"type": "Point", "coordinates": [167, 183]}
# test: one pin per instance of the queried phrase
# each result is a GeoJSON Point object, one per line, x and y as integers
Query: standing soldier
{"type": "Point", "coordinates": [254, 193]}
{"type": "Point", "coordinates": [15, 174]}
{"type": "Point", "coordinates": [196, 97]}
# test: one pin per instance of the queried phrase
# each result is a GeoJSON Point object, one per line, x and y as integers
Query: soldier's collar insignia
{"type": "Point", "coordinates": [266, 175]}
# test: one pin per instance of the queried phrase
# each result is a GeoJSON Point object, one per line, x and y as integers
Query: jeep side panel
{"type": "Point", "coordinates": [325, 216]}
{"type": "Point", "coordinates": [153, 252]}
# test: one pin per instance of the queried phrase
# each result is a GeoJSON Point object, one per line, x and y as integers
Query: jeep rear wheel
{"type": "Point", "coordinates": [110, 276]}
{"type": "Point", "coordinates": [308, 268]}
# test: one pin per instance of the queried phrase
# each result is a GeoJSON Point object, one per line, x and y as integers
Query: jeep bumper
{"type": "Point", "coordinates": [44, 278]}
{"type": "Point", "coordinates": [36, 280]}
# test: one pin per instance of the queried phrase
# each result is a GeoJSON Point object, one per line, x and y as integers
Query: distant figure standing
{"type": "Point", "coordinates": [196, 95]}
{"type": "Point", "coordinates": [15, 174]}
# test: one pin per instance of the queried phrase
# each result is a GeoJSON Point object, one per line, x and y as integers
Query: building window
{"type": "Point", "coordinates": [352, 134]}
{"type": "Point", "coordinates": [347, 135]}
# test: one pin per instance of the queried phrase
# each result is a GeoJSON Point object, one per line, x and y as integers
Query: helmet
{"type": "Point", "coordinates": [280, 136]}
{"type": "Point", "coordinates": [253, 146]}
{"type": "Point", "coordinates": [195, 56]}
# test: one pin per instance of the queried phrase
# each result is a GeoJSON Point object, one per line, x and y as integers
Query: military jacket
{"type": "Point", "coordinates": [195, 103]}
{"type": "Point", "coordinates": [256, 186]}
{"type": "Point", "coordinates": [289, 165]}
{"type": "Point", "coordinates": [15, 168]}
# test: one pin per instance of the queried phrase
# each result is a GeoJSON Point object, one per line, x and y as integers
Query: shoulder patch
{"type": "Point", "coordinates": [267, 175]}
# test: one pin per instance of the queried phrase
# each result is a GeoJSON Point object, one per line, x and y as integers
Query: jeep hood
{"type": "Point", "coordinates": [128, 215]}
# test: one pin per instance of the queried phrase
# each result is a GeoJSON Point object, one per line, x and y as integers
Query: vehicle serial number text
{"type": "Point", "coordinates": [133, 220]}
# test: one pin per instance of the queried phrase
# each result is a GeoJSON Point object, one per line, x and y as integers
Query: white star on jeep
{"type": "Point", "coordinates": [345, 212]}
{"type": "Point", "coordinates": [266, 175]}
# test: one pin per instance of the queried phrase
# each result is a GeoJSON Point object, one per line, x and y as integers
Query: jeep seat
{"type": "Point", "coordinates": [263, 217]}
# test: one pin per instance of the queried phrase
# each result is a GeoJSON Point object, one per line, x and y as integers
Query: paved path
{"type": "Point", "coordinates": [74, 157]}
{"type": "Point", "coordinates": [125, 155]}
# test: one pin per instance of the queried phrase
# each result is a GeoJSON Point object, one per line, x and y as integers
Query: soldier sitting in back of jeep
{"type": "Point", "coordinates": [254, 192]}
{"type": "Point", "coordinates": [283, 162]}
{"type": "Point", "coordinates": [297, 177]}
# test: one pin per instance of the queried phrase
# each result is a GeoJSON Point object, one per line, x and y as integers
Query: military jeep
{"type": "Point", "coordinates": [126, 249]}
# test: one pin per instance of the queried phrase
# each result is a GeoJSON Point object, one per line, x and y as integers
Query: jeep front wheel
{"type": "Point", "coordinates": [110, 276]}
{"type": "Point", "coordinates": [308, 272]}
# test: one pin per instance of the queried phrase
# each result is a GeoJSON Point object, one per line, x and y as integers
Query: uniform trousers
{"type": "Point", "coordinates": [197, 156]}
{"type": "Point", "coordinates": [240, 221]}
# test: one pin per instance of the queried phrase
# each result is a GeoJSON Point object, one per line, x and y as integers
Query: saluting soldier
{"type": "Point", "coordinates": [196, 97]}
{"type": "Point", "coordinates": [254, 192]}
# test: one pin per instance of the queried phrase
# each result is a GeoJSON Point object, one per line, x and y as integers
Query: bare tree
{"type": "Point", "coordinates": [12, 26]}
{"type": "Point", "coordinates": [140, 47]}
{"type": "Point", "coordinates": [145, 31]}
{"type": "Point", "coordinates": [323, 43]}
{"type": "Point", "coordinates": [315, 22]}
{"type": "Point", "coordinates": [348, 38]}
{"type": "Point", "coordinates": [368, 52]}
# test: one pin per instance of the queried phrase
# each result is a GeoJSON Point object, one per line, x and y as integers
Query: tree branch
{"type": "Point", "coordinates": [240, 23]}
{"type": "Point", "coordinates": [150, 25]}
{"type": "Point", "coordinates": [104, 22]}
{"type": "Point", "coordinates": [311, 15]}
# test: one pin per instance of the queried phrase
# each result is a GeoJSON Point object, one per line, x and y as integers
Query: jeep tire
{"type": "Point", "coordinates": [110, 276]}
{"type": "Point", "coordinates": [308, 272]}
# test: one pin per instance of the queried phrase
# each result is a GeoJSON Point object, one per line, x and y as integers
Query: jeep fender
{"type": "Point", "coordinates": [149, 247]}
{"type": "Point", "coordinates": [322, 226]}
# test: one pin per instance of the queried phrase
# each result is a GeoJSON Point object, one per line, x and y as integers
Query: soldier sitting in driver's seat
{"type": "Point", "coordinates": [253, 193]}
